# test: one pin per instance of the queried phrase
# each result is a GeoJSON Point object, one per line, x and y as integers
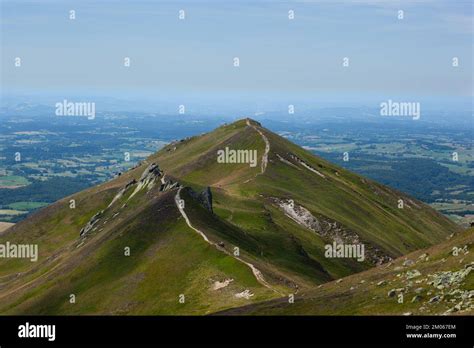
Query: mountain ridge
{"type": "Point", "coordinates": [264, 227]}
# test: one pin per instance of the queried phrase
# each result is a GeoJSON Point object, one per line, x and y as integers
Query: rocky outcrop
{"type": "Point", "coordinates": [219, 285]}
{"type": "Point", "coordinates": [150, 172]}
{"type": "Point", "coordinates": [413, 274]}
{"type": "Point", "coordinates": [90, 224]}
{"type": "Point", "coordinates": [447, 279]}
{"type": "Point", "coordinates": [438, 292]}
{"type": "Point", "coordinates": [148, 179]}
{"type": "Point", "coordinates": [244, 294]}
{"type": "Point", "coordinates": [122, 192]}
{"type": "Point", "coordinates": [167, 185]}
{"type": "Point", "coordinates": [306, 165]}
{"type": "Point", "coordinates": [204, 198]}
{"type": "Point", "coordinates": [286, 161]}
{"type": "Point", "coordinates": [329, 229]}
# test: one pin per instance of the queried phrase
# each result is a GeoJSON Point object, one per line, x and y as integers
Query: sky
{"type": "Point", "coordinates": [304, 56]}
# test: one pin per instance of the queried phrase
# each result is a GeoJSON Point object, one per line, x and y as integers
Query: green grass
{"type": "Point", "coordinates": [13, 180]}
{"type": "Point", "coordinates": [359, 294]}
{"type": "Point", "coordinates": [168, 258]}
{"type": "Point", "coordinates": [11, 212]}
{"type": "Point", "coordinates": [110, 282]}
{"type": "Point", "coordinates": [27, 205]}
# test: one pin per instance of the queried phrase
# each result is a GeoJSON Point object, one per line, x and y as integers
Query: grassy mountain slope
{"type": "Point", "coordinates": [436, 280]}
{"type": "Point", "coordinates": [249, 249]}
{"type": "Point", "coordinates": [245, 200]}
{"type": "Point", "coordinates": [166, 259]}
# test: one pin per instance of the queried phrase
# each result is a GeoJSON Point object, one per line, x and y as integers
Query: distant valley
{"type": "Point", "coordinates": [61, 156]}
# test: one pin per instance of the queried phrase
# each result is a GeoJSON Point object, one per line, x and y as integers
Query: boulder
{"type": "Point", "coordinates": [434, 299]}
{"type": "Point", "coordinates": [416, 298]}
{"type": "Point", "coordinates": [152, 170]}
{"type": "Point", "coordinates": [413, 274]}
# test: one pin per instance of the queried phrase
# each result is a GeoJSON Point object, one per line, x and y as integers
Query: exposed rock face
{"type": "Point", "coordinates": [122, 191]}
{"type": "Point", "coordinates": [444, 288]}
{"type": "Point", "coordinates": [219, 285]}
{"type": "Point", "coordinates": [306, 165]}
{"type": "Point", "coordinates": [302, 216]}
{"type": "Point", "coordinates": [435, 299]}
{"type": "Point", "coordinates": [413, 274]}
{"type": "Point", "coordinates": [90, 224]}
{"type": "Point", "coordinates": [244, 294]}
{"type": "Point", "coordinates": [448, 278]}
{"type": "Point", "coordinates": [287, 162]}
{"type": "Point", "coordinates": [130, 183]}
{"type": "Point", "coordinates": [204, 198]}
{"type": "Point", "coordinates": [167, 185]}
{"type": "Point", "coordinates": [148, 178]}
{"type": "Point", "coordinates": [151, 171]}
{"type": "Point", "coordinates": [328, 229]}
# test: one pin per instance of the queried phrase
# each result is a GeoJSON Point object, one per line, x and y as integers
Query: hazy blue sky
{"type": "Point", "coordinates": [387, 56]}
